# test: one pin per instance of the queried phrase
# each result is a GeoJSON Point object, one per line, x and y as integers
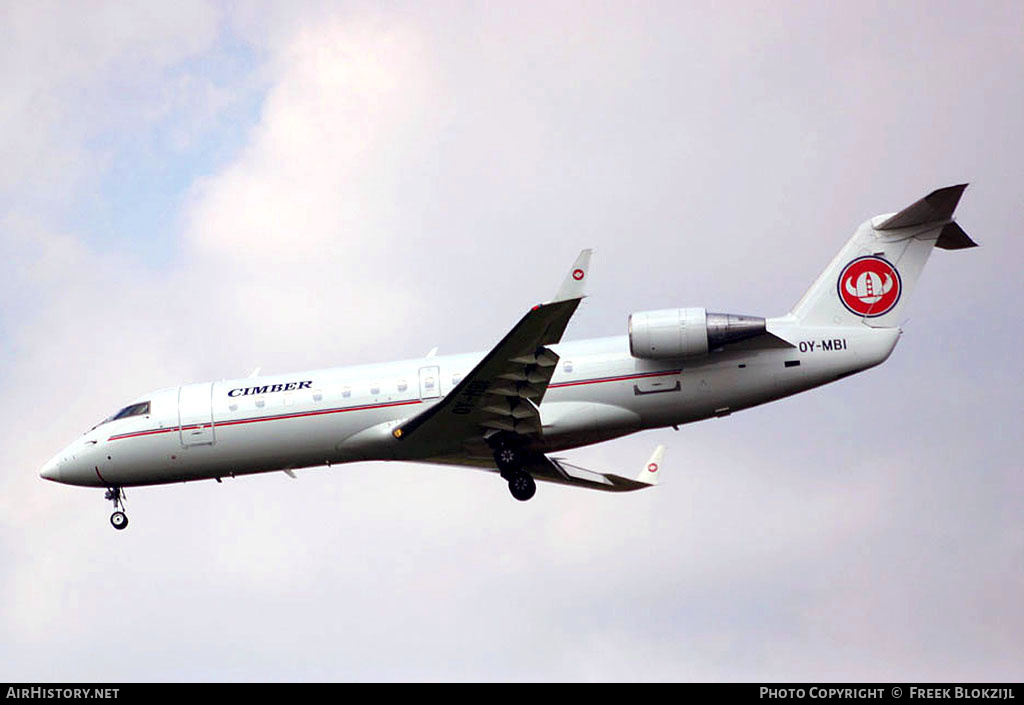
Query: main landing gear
{"type": "Point", "coordinates": [510, 461]}
{"type": "Point", "coordinates": [522, 485]}
{"type": "Point", "coordinates": [119, 520]}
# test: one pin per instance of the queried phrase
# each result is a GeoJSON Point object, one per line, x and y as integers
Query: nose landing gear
{"type": "Point", "coordinates": [119, 520]}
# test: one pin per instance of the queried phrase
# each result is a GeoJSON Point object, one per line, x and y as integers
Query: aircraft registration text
{"type": "Point", "coordinates": [829, 345]}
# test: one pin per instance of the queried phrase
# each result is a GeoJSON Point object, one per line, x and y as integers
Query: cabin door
{"type": "Point", "coordinates": [195, 414]}
{"type": "Point", "coordinates": [430, 382]}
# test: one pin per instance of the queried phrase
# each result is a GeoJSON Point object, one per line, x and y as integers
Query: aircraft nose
{"type": "Point", "coordinates": [51, 471]}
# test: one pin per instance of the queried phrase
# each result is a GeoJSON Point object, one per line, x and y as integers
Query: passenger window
{"type": "Point", "coordinates": [317, 395]}
{"type": "Point", "coordinates": [346, 392]}
{"type": "Point", "coordinates": [375, 388]}
{"type": "Point", "coordinates": [402, 385]}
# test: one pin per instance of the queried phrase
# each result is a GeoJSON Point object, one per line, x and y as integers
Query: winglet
{"type": "Point", "coordinates": [574, 284]}
{"type": "Point", "coordinates": [652, 470]}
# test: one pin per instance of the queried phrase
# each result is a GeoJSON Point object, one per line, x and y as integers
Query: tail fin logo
{"type": "Point", "coordinates": [869, 286]}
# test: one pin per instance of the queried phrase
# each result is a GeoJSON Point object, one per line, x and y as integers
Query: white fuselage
{"type": "Point", "coordinates": [325, 417]}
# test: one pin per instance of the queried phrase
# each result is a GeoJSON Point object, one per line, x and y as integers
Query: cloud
{"type": "Point", "coordinates": [416, 178]}
{"type": "Point", "coordinates": [65, 85]}
{"type": "Point", "coordinates": [296, 229]}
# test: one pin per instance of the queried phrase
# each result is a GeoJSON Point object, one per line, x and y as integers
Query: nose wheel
{"type": "Point", "coordinates": [119, 520]}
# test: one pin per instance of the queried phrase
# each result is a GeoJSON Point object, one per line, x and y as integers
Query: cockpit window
{"type": "Point", "coordinates": [140, 409]}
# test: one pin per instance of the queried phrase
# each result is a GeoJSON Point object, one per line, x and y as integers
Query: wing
{"type": "Point", "coordinates": [503, 392]}
{"type": "Point", "coordinates": [560, 471]}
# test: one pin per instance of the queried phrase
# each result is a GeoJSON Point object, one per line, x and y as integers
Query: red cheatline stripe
{"type": "Point", "coordinates": [236, 422]}
{"type": "Point", "coordinates": [321, 412]}
{"type": "Point", "coordinates": [615, 379]}
{"type": "Point", "coordinates": [145, 433]}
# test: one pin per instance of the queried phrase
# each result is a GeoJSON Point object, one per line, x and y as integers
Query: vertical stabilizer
{"type": "Point", "coordinates": [871, 278]}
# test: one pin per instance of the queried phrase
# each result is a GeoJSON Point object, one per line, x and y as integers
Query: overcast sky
{"type": "Point", "coordinates": [190, 190]}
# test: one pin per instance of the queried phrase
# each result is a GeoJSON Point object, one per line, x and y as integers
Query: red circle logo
{"type": "Point", "coordinates": [869, 286]}
{"type": "Point", "coordinates": [653, 467]}
{"type": "Point", "coordinates": [577, 274]}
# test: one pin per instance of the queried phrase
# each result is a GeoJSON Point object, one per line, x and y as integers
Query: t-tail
{"type": "Point", "coordinates": [872, 277]}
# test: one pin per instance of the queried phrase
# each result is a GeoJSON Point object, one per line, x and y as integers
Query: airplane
{"type": "Point", "coordinates": [508, 410]}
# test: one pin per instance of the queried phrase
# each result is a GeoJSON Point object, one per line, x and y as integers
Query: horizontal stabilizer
{"type": "Point", "coordinates": [953, 237]}
{"type": "Point", "coordinates": [937, 205]}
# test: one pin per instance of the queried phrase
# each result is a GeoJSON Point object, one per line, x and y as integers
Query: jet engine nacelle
{"type": "Point", "coordinates": [687, 332]}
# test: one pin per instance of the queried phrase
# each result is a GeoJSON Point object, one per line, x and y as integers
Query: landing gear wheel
{"type": "Point", "coordinates": [522, 486]}
{"type": "Point", "coordinates": [119, 520]}
{"type": "Point", "coordinates": [509, 459]}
